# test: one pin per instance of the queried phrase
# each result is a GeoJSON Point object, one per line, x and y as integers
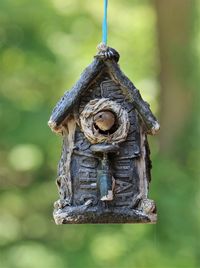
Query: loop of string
{"type": "Point", "coordinates": [105, 24]}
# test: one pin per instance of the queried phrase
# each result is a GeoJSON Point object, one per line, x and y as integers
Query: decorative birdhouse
{"type": "Point", "coordinates": [104, 170]}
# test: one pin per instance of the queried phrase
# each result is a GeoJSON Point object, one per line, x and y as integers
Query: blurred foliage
{"type": "Point", "coordinates": [44, 46]}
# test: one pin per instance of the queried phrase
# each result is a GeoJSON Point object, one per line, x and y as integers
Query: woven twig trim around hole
{"type": "Point", "coordinates": [87, 122]}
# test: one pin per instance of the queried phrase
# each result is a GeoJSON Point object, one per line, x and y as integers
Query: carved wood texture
{"type": "Point", "coordinates": [124, 165]}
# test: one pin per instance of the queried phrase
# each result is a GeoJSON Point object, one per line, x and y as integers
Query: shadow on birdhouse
{"type": "Point", "coordinates": [104, 170]}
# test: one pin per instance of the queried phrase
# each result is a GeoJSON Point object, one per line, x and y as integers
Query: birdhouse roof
{"type": "Point", "coordinates": [66, 104]}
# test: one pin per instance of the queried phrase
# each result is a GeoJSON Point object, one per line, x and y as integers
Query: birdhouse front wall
{"type": "Point", "coordinates": [130, 166]}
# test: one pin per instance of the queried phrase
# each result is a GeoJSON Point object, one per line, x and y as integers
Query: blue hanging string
{"type": "Point", "coordinates": [105, 24]}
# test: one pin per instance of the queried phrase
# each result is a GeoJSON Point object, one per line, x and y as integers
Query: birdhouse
{"type": "Point", "coordinates": [104, 170]}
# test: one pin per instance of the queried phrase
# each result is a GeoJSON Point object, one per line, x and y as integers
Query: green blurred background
{"type": "Point", "coordinates": [44, 46]}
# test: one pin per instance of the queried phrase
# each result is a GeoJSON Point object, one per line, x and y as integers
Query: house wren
{"type": "Point", "coordinates": [104, 120]}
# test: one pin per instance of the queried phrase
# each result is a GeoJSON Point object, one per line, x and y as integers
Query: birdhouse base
{"type": "Point", "coordinates": [101, 215]}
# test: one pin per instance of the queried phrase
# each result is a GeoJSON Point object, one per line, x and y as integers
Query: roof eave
{"type": "Point", "coordinates": [133, 94]}
{"type": "Point", "coordinates": [67, 102]}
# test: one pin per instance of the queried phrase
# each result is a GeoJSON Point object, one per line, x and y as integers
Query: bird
{"type": "Point", "coordinates": [104, 120]}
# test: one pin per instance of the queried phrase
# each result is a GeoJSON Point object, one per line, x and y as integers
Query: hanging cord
{"type": "Point", "coordinates": [105, 24]}
{"type": "Point", "coordinates": [106, 52]}
{"type": "Point", "coordinates": [103, 45]}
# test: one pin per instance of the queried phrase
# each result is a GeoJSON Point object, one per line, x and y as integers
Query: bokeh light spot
{"type": "Point", "coordinates": [13, 58]}
{"type": "Point", "coordinates": [63, 6]}
{"type": "Point", "coordinates": [9, 228]}
{"type": "Point", "coordinates": [108, 247]}
{"type": "Point", "coordinates": [34, 255]}
{"type": "Point", "coordinates": [25, 157]}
